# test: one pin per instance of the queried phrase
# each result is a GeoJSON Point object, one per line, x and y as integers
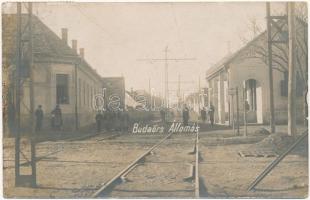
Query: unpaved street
{"type": "Point", "coordinates": [76, 169]}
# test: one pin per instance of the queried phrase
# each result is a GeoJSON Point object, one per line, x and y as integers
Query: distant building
{"type": "Point", "coordinates": [248, 68]}
{"type": "Point", "coordinates": [61, 76]}
{"type": "Point", "coordinates": [197, 101]}
{"type": "Point", "coordinates": [114, 93]}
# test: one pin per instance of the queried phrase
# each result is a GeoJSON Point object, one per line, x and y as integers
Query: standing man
{"type": "Point", "coordinates": [39, 118]}
{"type": "Point", "coordinates": [211, 114]}
{"type": "Point", "coordinates": [57, 115]}
{"type": "Point", "coordinates": [203, 114]}
{"type": "Point", "coordinates": [99, 119]}
{"type": "Point", "coordinates": [185, 115]}
{"type": "Point", "coordinates": [124, 121]}
{"type": "Point", "coordinates": [163, 115]}
{"type": "Point", "coordinates": [107, 119]}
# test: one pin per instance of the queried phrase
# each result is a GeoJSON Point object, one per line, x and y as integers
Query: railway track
{"type": "Point", "coordinates": [46, 155]}
{"type": "Point", "coordinates": [111, 186]}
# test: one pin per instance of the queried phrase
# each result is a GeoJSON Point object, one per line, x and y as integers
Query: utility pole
{"type": "Point", "coordinates": [179, 90]}
{"type": "Point", "coordinates": [291, 71]}
{"type": "Point", "coordinates": [31, 95]}
{"type": "Point", "coordinates": [166, 59]}
{"type": "Point", "coordinates": [199, 95]}
{"type": "Point", "coordinates": [149, 85]}
{"type": "Point", "coordinates": [25, 60]}
{"type": "Point", "coordinates": [271, 99]}
{"type": "Point", "coordinates": [76, 97]}
{"type": "Point", "coordinates": [17, 106]}
{"type": "Point", "coordinates": [150, 93]}
{"type": "Point", "coordinates": [166, 79]}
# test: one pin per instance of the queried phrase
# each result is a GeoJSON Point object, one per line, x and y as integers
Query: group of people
{"type": "Point", "coordinates": [112, 120]}
{"type": "Point", "coordinates": [116, 120]}
{"type": "Point", "coordinates": [185, 115]}
{"type": "Point", "coordinates": [204, 113]}
{"type": "Point", "coordinates": [109, 120]}
{"type": "Point", "coordinates": [210, 111]}
{"type": "Point", "coordinates": [56, 118]}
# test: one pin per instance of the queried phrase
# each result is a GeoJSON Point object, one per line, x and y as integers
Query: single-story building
{"type": "Point", "coordinates": [61, 76]}
{"type": "Point", "coordinates": [246, 72]}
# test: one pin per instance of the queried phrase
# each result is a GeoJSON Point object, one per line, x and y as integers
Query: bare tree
{"type": "Point", "coordinates": [258, 45]}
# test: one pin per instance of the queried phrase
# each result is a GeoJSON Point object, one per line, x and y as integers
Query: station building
{"type": "Point", "coordinates": [246, 72]}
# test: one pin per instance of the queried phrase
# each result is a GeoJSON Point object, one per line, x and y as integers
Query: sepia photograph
{"type": "Point", "coordinates": [155, 100]}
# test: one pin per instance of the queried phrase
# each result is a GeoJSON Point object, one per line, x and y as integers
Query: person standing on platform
{"type": "Point", "coordinates": [99, 119]}
{"type": "Point", "coordinates": [185, 115]}
{"type": "Point", "coordinates": [57, 118]}
{"type": "Point", "coordinates": [211, 114]}
{"type": "Point", "coordinates": [163, 115]}
{"type": "Point", "coordinates": [203, 114]}
{"type": "Point", "coordinates": [39, 118]}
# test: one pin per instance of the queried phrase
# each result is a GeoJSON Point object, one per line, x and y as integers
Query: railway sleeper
{"type": "Point", "coordinates": [124, 176]}
{"type": "Point", "coordinates": [191, 175]}
{"type": "Point", "coordinates": [193, 150]}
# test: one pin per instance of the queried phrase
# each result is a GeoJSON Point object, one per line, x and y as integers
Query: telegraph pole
{"type": "Point", "coordinates": [166, 78]}
{"type": "Point", "coordinates": [18, 70]}
{"type": "Point", "coordinates": [271, 100]}
{"type": "Point", "coordinates": [166, 59]}
{"type": "Point", "coordinates": [291, 71]}
{"type": "Point", "coordinates": [21, 180]}
{"type": "Point", "coordinates": [199, 95]}
{"type": "Point", "coordinates": [76, 96]}
{"type": "Point", "coordinates": [31, 94]}
{"type": "Point", "coordinates": [179, 90]}
{"type": "Point", "coordinates": [150, 93]}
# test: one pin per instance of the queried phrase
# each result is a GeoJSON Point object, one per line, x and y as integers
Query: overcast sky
{"type": "Point", "coordinates": [116, 35]}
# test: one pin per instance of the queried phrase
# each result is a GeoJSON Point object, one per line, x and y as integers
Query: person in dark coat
{"type": "Point", "coordinates": [162, 115]}
{"type": "Point", "coordinates": [107, 119]}
{"type": "Point", "coordinates": [211, 114]}
{"type": "Point", "coordinates": [124, 121]}
{"type": "Point", "coordinates": [39, 118]}
{"type": "Point", "coordinates": [185, 115]}
{"type": "Point", "coordinates": [203, 114]}
{"type": "Point", "coordinates": [57, 118]}
{"type": "Point", "coordinates": [99, 119]}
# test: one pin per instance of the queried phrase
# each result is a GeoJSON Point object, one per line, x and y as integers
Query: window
{"type": "Point", "coordinates": [62, 89]}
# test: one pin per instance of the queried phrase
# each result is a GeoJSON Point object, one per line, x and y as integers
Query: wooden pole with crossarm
{"type": "Point", "coordinates": [166, 59]}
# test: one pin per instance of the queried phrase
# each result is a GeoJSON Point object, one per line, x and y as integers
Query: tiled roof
{"type": "Point", "coordinates": [45, 41]}
{"type": "Point", "coordinates": [230, 57]}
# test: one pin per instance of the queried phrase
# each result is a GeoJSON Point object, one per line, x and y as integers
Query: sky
{"type": "Point", "coordinates": [116, 36]}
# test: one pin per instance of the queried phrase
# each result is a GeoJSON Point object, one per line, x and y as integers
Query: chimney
{"type": "Point", "coordinates": [82, 52]}
{"type": "Point", "coordinates": [64, 35]}
{"type": "Point", "coordinates": [74, 45]}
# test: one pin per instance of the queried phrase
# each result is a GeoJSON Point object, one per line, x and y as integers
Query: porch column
{"type": "Point", "coordinates": [221, 105]}
{"type": "Point", "coordinates": [215, 99]}
{"type": "Point", "coordinates": [210, 92]}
